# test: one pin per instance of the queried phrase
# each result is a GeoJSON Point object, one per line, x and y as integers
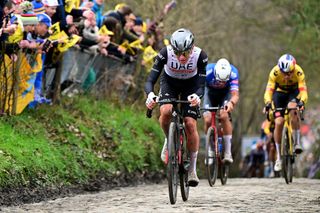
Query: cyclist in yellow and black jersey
{"type": "Point", "coordinates": [286, 88]}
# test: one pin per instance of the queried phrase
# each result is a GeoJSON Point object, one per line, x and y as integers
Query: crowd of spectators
{"type": "Point", "coordinates": [43, 29]}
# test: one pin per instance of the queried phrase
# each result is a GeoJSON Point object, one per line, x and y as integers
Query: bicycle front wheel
{"type": "Point", "coordinates": [287, 169]}
{"type": "Point", "coordinates": [172, 167]}
{"type": "Point", "coordinates": [210, 156]}
{"type": "Point", "coordinates": [223, 167]}
{"type": "Point", "coordinates": [184, 167]}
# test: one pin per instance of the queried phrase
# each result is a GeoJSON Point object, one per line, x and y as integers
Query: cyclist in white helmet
{"type": "Point", "coordinates": [222, 89]}
{"type": "Point", "coordinates": [184, 74]}
{"type": "Point", "coordinates": [286, 87]}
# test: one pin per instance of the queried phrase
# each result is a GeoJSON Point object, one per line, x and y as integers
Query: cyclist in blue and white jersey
{"type": "Point", "coordinates": [184, 74]}
{"type": "Point", "coordinates": [222, 89]}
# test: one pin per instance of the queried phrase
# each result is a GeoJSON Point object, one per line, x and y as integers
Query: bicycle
{"type": "Point", "coordinates": [215, 149]}
{"type": "Point", "coordinates": [178, 156]}
{"type": "Point", "coordinates": [286, 148]}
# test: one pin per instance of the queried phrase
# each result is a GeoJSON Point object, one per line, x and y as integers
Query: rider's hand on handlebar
{"type": "Point", "coordinates": [151, 100]}
{"type": "Point", "coordinates": [267, 108]}
{"type": "Point", "coordinates": [228, 107]}
{"type": "Point", "coordinates": [194, 99]}
{"type": "Point", "coordinates": [300, 105]}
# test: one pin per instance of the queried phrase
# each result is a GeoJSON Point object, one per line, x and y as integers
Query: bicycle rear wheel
{"type": "Point", "coordinates": [210, 157]}
{"type": "Point", "coordinates": [172, 167]}
{"type": "Point", "coordinates": [183, 171]}
{"type": "Point", "coordinates": [287, 169]}
{"type": "Point", "coordinates": [223, 167]}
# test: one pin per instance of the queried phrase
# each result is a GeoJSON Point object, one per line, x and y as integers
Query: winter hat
{"type": "Point", "coordinates": [38, 6]}
{"type": "Point", "coordinates": [27, 15]}
{"type": "Point", "coordinates": [29, 19]}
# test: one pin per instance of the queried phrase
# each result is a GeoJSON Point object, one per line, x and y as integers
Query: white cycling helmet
{"type": "Point", "coordinates": [222, 70]}
{"type": "Point", "coordinates": [286, 63]}
{"type": "Point", "coordinates": [182, 40]}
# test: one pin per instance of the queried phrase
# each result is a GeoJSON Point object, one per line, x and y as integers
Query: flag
{"type": "Point", "coordinates": [104, 31]}
{"type": "Point", "coordinates": [148, 54]}
{"type": "Point", "coordinates": [126, 46]}
{"type": "Point", "coordinates": [136, 44]}
{"type": "Point", "coordinates": [54, 31]}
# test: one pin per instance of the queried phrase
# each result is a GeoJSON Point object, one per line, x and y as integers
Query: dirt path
{"type": "Point", "coordinates": [239, 195]}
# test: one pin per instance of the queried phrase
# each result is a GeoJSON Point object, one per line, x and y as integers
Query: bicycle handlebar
{"type": "Point", "coordinates": [287, 108]}
{"type": "Point", "coordinates": [168, 101]}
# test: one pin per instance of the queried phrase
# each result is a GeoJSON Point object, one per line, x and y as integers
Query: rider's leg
{"type": "Point", "coordinates": [279, 122]}
{"type": "Point", "coordinates": [295, 122]}
{"type": "Point", "coordinates": [193, 147]}
{"type": "Point", "coordinates": [164, 120]}
{"type": "Point", "coordinates": [227, 135]}
{"type": "Point", "coordinates": [207, 120]}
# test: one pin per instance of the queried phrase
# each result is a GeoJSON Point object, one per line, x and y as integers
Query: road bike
{"type": "Point", "coordinates": [215, 167]}
{"type": "Point", "coordinates": [178, 156]}
{"type": "Point", "coordinates": [287, 144]}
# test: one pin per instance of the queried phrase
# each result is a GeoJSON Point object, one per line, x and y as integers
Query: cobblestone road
{"type": "Point", "coordinates": [239, 195]}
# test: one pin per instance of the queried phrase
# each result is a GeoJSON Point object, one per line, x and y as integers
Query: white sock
{"type": "Point", "coordinates": [278, 151]}
{"type": "Point", "coordinates": [227, 144]}
{"type": "Point", "coordinates": [193, 161]}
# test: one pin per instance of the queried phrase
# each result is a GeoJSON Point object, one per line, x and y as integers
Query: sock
{"type": "Point", "coordinates": [193, 161]}
{"type": "Point", "coordinates": [296, 136]}
{"type": "Point", "coordinates": [278, 151]}
{"type": "Point", "coordinates": [227, 144]}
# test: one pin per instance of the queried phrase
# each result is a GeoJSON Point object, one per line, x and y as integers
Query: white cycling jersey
{"type": "Point", "coordinates": [175, 69]}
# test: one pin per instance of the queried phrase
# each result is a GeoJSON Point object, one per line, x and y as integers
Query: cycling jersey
{"type": "Point", "coordinates": [194, 71]}
{"type": "Point", "coordinates": [277, 82]}
{"type": "Point", "coordinates": [232, 83]}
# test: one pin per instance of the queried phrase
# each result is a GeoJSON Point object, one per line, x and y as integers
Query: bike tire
{"type": "Point", "coordinates": [172, 166]}
{"type": "Point", "coordinates": [184, 167]}
{"type": "Point", "coordinates": [223, 167]}
{"type": "Point", "coordinates": [212, 169]}
{"type": "Point", "coordinates": [286, 160]}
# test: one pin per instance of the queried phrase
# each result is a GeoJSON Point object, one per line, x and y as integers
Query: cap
{"type": "Point", "coordinates": [50, 3]}
{"type": "Point", "coordinates": [138, 21]}
{"type": "Point", "coordinates": [44, 18]}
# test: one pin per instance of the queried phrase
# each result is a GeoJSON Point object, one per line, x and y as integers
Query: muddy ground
{"type": "Point", "coordinates": [31, 194]}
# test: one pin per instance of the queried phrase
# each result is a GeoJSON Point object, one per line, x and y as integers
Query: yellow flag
{"type": "Point", "coordinates": [54, 31]}
{"type": "Point", "coordinates": [136, 44]}
{"type": "Point", "coordinates": [148, 54]}
{"type": "Point", "coordinates": [69, 42]}
{"type": "Point", "coordinates": [17, 35]}
{"type": "Point", "coordinates": [63, 42]}
{"type": "Point", "coordinates": [69, 5]}
{"type": "Point", "coordinates": [126, 46]}
{"type": "Point", "coordinates": [104, 31]}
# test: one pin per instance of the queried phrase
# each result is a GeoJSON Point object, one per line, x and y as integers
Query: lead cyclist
{"type": "Point", "coordinates": [184, 75]}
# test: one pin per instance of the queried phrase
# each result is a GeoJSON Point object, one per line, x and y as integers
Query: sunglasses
{"type": "Point", "coordinates": [287, 73]}
{"type": "Point", "coordinates": [184, 53]}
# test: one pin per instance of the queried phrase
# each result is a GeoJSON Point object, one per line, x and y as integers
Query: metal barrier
{"type": "Point", "coordinates": [111, 75]}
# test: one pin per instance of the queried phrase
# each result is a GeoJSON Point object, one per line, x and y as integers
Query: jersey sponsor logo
{"type": "Point", "coordinates": [181, 68]}
{"type": "Point", "coordinates": [299, 73]}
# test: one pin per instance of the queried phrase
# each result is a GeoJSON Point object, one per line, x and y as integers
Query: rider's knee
{"type": "Point", "coordinates": [279, 121]}
{"type": "Point", "coordinates": [224, 116]}
{"type": "Point", "coordinates": [190, 124]}
{"type": "Point", "coordinates": [165, 110]}
{"type": "Point", "coordinates": [207, 117]}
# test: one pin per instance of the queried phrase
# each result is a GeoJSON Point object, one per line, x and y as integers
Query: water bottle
{"type": "Point", "coordinates": [220, 144]}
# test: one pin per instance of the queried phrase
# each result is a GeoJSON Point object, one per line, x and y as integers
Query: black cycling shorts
{"type": "Point", "coordinates": [281, 100]}
{"type": "Point", "coordinates": [175, 88]}
{"type": "Point", "coordinates": [215, 97]}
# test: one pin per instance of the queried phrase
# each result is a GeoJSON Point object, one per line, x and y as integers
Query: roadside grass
{"type": "Point", "coordinates": [75, 142]}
